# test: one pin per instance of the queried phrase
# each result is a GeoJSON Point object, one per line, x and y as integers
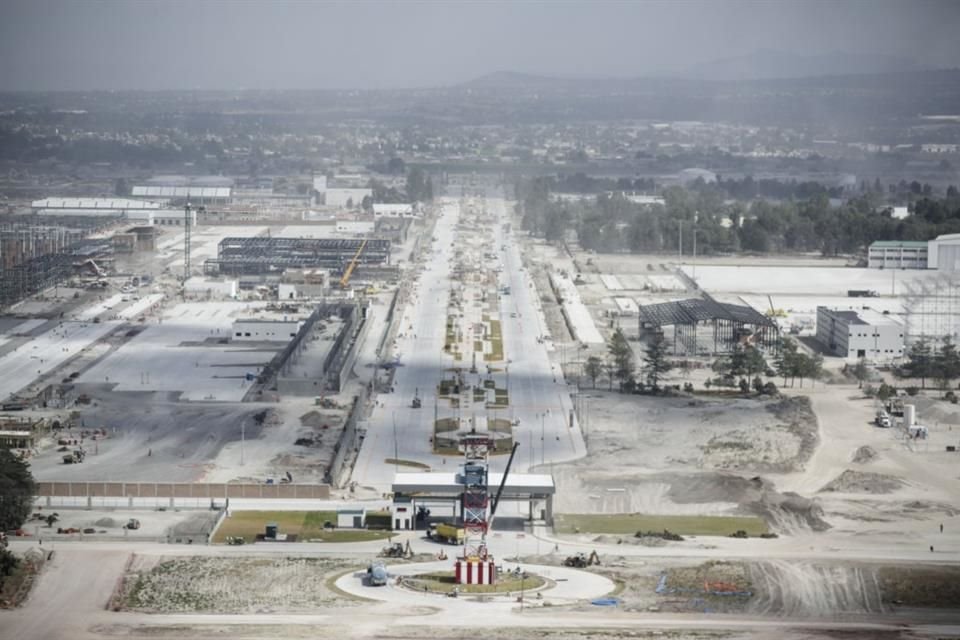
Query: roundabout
{"type": "Point", "coordinates": [425, 582]}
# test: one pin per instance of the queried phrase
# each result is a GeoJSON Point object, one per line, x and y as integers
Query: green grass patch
{"type": "Point", "coordinates": [445, 582]}
{"type": "Point", "coordinates": [499, 425]}
{"type": "Point", "coordinates": [478, 346]}
{"type": "Point", "coordinates": [307, 525]}
{"type": "Point", "coordinates": [406, 463]}
{"type": "Point", "coordinates": [629, 524]}
{"type": "Point", "coordinates": [445, 424]}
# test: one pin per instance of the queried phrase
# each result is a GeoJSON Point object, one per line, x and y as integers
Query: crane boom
{"type": "Point", "coordinates": [503, 481]}
{"type": "Point", "coordinates": [353, 265]}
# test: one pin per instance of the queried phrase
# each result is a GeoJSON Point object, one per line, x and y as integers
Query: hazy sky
{"type": "Point", "coordinates": [197, 44]}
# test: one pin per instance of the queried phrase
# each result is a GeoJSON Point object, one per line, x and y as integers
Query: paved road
{"type": "Point", "coordinates": [540, 400]}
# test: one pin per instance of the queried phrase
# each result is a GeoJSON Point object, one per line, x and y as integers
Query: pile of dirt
{"type": "Point", "coordinates": [863, 482]}
{"type": "Point", "coordinates": [785, 512]}
{"type": "Point", "coordinates": [865, 454]}
{"type": "Point", "coordinates": [106, 522]}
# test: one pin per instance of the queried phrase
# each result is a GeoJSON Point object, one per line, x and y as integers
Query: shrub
{"type": "Point", "coordinates": [869, 390]}
{"type": "Point", "coordinates": [912, 391]}
{"type": "Point", "coordinates": [885, 392]}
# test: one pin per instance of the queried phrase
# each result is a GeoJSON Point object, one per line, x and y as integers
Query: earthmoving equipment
{"type": "Point", "coordinates": [581, 560]}
{"type": "Point", "coordinates": [395, 550]}
{"type": "Point", "coordinates": [345, 280]}
{"type": "Point", "coordinates": [236, 540]}
{"type": "Point", "coordinates": [132, 523]}
{"type": "Point", "coordinates": [862, 293]}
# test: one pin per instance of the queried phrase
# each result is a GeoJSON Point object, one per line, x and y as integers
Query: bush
{"type": "Point", "coordinates": [885, 392]}
{"type": "Point", "coordinates": [951, 397]}
{"type": "Point", "coordinates": [912, 391]}
{"type": "Point", "coordinates": [869, 390]}
{"type": "Point", "coordinates": [688, 387]}
{"type": "Point", "coordinates": [770, 389]}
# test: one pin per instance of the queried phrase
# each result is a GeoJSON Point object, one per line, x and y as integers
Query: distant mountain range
{"type": "Point", "coordinates": [770, 64]}
{"type": "Point", "coordinates": [760, 65]}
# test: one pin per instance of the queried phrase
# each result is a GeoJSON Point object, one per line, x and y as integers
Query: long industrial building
{"type": "Point", "coordinates": [249, 256]}
{"type": "Point", "coordinates": [941, 253]}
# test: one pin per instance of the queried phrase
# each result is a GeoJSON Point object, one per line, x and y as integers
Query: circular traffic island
{"type": "Point", "coordinates": [445, 582]}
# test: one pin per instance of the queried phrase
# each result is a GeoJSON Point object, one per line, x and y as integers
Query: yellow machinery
{"type": "Point", "coordinates": [345, 280]}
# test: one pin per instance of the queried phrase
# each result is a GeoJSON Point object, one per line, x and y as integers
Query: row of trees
{"type": "Point", "coordinates": [620, 365]}
{"type": "Point", "coordinates": [610, 223]}
{"type": "Point", "coordinates": [942, 364]}
{"type": "Point", "coordinates": [17, 489]}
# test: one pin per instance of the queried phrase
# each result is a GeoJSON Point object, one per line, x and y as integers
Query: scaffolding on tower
{"type": "Point", "coordinates": [476, 565]}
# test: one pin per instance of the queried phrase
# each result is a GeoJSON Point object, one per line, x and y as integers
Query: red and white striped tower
{"type": "Point", "coordinates": [475, 566]}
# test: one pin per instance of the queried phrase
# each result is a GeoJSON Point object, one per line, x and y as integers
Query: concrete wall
{"type": "Point", "coordinates": [265, 330]}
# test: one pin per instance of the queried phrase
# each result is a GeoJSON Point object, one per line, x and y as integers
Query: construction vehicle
{"type": "Point", "coordinates": [582, 561]}
{"type": "Point", "coordinates": [377, 575]}
{"type": "Point", "coordinates": [396, 550]}
{"type": "Point", "coordinates": [76, 457]}
{"type": "Point", "coordinates": [862, 293]}
{"type": "Point", "coordinates": [132, 524]}
{"type": "Point", "coordinates": [447, 533]}
{"type": "Point", "coordinates": [345, 280]}
{"type": "Point", "coordinates": [236, 540]}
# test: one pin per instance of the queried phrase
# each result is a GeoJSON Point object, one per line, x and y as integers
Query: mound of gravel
{"type": "Point", "coordinates": [106, 522]}
{"type": "Point", "coordinates": [863, 482]}
{"type": "Point", "coordinates": [865, 454]}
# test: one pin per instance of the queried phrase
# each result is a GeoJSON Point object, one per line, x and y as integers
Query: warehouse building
{"type": "Point", "coordinates": [943, 252]}
{"type": "Point", "coordinates": [860, 334]}
{"type": "Point", "coordinates": [897, 254]}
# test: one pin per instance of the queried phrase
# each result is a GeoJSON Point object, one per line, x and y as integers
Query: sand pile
{"type": "Point", "coordinates": [863, 482]}
{"type": "Point", "coordinates": [865, 454]}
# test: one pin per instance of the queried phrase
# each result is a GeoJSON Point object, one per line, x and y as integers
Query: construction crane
{"type": "Point", "coordinates": [345, 280]}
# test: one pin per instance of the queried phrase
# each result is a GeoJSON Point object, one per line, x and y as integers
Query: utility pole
{"type": "Point", "coordinates": [243, 434]}
{"type": "Point", "coordinates": [186, 246]}
{"type": "Point", "coordinates": [695, 214]}
{"type": "Point", "coordinates": [396, 446]}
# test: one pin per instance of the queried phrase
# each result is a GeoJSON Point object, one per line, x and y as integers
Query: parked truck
{"type": "Point", "coordinates": [444, 532]}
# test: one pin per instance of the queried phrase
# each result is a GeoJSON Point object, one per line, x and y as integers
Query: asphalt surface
{"type": "Point", "coordinates": [539, 397]}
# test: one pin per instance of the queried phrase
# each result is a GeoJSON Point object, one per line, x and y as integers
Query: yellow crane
{"type": "Point", "coordinates": [345, 280]}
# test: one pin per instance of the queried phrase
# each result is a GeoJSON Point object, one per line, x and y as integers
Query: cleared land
{"type": "Point", "coordinates": [230, 585]}
{"type": "Point", "coordinates": [630, 524]}
{"type": "Point", "coordinates": [306, 525]}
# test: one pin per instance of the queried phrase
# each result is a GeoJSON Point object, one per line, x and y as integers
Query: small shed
{"type": "Point", "coordinates": [351, 518]}
{"type": "Point", "coordinates": [403, 513]}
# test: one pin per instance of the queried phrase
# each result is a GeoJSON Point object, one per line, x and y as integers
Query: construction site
{"type": "Point", "coordinates": [408, 429]}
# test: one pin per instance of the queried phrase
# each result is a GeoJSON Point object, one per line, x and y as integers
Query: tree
{"type": "Point", "coordinates": [16, 491]}
{"type": "Point", "coordinates": [396, 166]}
{"type": "Point", "coordinates": [861, 372]}
{"type": "Point", "coordinates": [621, 355]}
{"type": "Point", "coordinates": [655, 363]}
{"type": "Point", "coordinates": [919, 363]}
{"type": "Point", "coordinates": [946, 364]}
{"type": "Point", "coordinates": [593, 368]}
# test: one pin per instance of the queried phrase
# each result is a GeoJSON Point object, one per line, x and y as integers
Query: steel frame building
{"type": "Point", "coordinates": [251, 256]}
{"type": "Point", "coordinates": [726, 325]}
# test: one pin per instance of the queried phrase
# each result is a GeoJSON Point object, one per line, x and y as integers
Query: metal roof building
{"type": "Point", "coordinates": [703, 326]}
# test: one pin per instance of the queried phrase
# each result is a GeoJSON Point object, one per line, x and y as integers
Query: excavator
{"type": "Point", "coordinates": [345, 280]}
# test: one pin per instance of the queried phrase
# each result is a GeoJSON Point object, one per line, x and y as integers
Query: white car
{"type": "Point", "coordinates": [884, 421]}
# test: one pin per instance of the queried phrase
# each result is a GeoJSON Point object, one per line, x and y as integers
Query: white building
{"type": "Point", "coordinates": [626, 307]}
{"type": "Point", "coordinates": [355, 227]}
{"type": "Point", "coordinates": [106, 207]}
{"type": "Point", "coordinates": [943, 252]}
{"type": "Point", "coordinates": [399, 210]}
{"type": "Point", "coordinates": [263, 330]}
{"type": "Point", "coordinates": [347, 197]}
{"type": "Point", "coordinates": [897, 254]}
{"type": "Point", "coordinates": [212, 287]}
{"type": "Point", "coordinates": [860, 334]}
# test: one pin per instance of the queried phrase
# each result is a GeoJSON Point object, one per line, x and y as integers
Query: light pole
{"type": "Point", "coordinates": [543, 441]}
{"type": "Point", "coordinates": [243, 434]}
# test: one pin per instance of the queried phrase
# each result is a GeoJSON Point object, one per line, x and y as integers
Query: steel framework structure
{"type": "Point", "coordinates": [251, 256]}
{"type": "Point", "coordinates": [476, 495]}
